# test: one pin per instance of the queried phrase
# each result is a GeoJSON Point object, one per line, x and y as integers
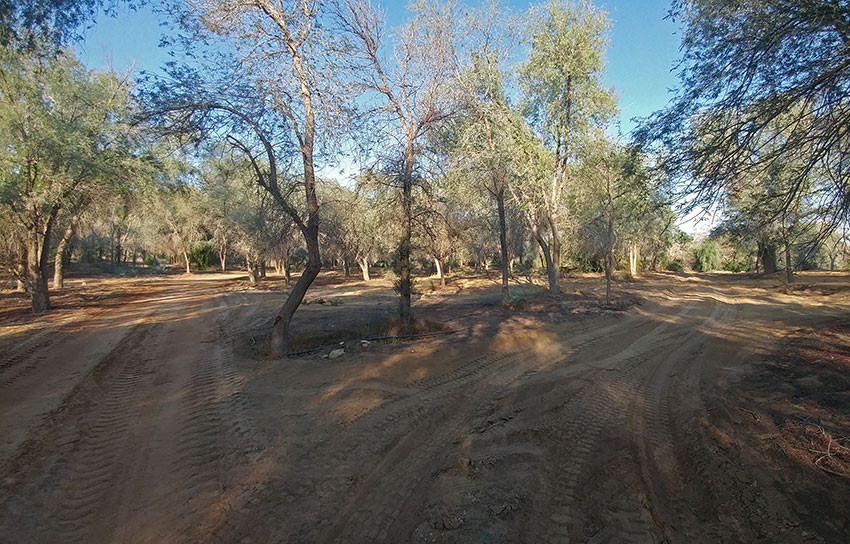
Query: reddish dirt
{"type": "Point", "coordinates": [707, 408]}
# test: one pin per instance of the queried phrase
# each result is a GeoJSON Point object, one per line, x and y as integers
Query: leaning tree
{"type": "Point", "coordinates": [266, 84]}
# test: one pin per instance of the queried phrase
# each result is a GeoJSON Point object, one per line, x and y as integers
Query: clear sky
{"type": "Point", "coordinates": [643, 48]}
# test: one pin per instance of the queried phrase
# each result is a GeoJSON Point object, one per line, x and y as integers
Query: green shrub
{"type": "Point", "coordinates": [150, 261]}
{"type": "Point", "coordinates": [675, 266]}
{"type": "Point", "coordinates": [707, 257]}
{"type": "Point", "coordinates": [201, 254]}
{"type": "Point", "coordinates": [737, 266]}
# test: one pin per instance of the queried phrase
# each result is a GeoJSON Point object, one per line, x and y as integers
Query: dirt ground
{"type": "Point", "coordinates": [710, 408]}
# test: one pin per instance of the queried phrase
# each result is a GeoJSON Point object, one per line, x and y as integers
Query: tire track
{"type": "Point", "coordinates": [390, 485]}
{"type": "Point", "coordinates": [651, 422]}
{"type": "Point", "coordinates": [106, 439]}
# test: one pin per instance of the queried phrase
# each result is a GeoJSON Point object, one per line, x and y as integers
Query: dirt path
{"type": "Point", "coordinates": [148, 425]}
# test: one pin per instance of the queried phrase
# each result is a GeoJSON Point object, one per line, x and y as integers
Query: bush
{"type": "Point", "coordinates": [675, 266]}
{"type": "Point", "coordinates": [201, 254]}
{"type": "Point", "coordinates": [737, 266]}
{"type": "Point", "coordinates": [150, 261]}
{"type": "Point", "coordinates": [707, 257]}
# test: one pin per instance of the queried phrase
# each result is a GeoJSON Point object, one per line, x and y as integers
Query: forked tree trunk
{"type": "Point", "coordinates": [364, 268]}
{"type": "Point", "coordinates": [503, 242]}
{"type": "Point", "coordinates": [59, 259]}
{"type": "Point", "coordinates": [547, 261]}
{"type": "Point", "coordinates": [37, 274]}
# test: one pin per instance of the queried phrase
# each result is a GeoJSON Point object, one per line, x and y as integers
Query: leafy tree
{"type": "Point", "coordinates": [614, 202]}
{"type": "Point", "coordinates": [566, 101]}
{"type": "Point", "coordinates": [32, 22]}
{"type": "Point", "coordinates": [481, 137]}
{"type": "Point", "coordinates": [64, 135]}
{"type": "Point", "coordinates": [707, 256]}
{"type": "Point", "coordinates": [748, 68]}
{"type": "Point", "coordinates": [354, 224]}
{"type": "Point", "coordinates": [239, 209]}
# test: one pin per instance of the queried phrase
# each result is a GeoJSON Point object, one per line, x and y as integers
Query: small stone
{"type": "Point", "coordinates": [336, 353]}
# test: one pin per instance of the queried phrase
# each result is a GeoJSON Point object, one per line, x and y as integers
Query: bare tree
{"type": "Point", "coordinates": [411, 93]}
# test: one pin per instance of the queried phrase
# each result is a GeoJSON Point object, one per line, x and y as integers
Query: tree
{"type": "Point", "coordinates": [269, 82]}
{"type": "Point", "coordinates": [747, 69]}
{"type": "Point", "coordinates": [354, 223]}
{"type": "Point", "coordinates": [30, 22]}
{"type": "Point", "coordinates": [566, 101]}
{"type": "Point", "coordinates": [482, 146]}
{"type": "Point", "coordinates": [707, 256]}
{"type": "Point", "coordinates": [615, 201]}
{"type": "Point", "coordinates": [64, 134]}
{"type": "Point", "coordinates": [236, 207]}
{"type": "Point", "coordinates": [413, 92]}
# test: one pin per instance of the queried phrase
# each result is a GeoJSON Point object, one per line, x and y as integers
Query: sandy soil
{"type": "Point", "coordinates": [699, 409]}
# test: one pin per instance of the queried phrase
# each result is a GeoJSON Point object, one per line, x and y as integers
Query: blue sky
{"type": "Point", "coordinates": [643, 48]}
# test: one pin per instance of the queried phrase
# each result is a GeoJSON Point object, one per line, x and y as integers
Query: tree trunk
{"type": "Point", "coordinates": [186, 259]}
{"type": "Point", "coordinates": [253, 269]}
{"type": "Point", "coordinates": [789, 272]}
{"type": "Point", "coordinates": [553, 264]}
{"type": "Point", "coordinates": [404, 248]}
{"type": "Point", "coordinates": [346, 267]}
{"type": "Point", "coordinates": [609, 259]}
{"type": "Point", "coordinates": [768, 258]}
{"type": "Point", "coordinates": [547, 258]}
{"type": "Point", "coordinates": [633, 259]}
{"type": "Point", "coordinates": [222, 255]}
{"type": "Point", "coordinates": [364, 268]}
{"type": "Point", "coordinates": [279, 340]}
{"type": "Point", "coordinates": [503, 242]}
{"type": "Point", "coordinates": [263, 269]}
{"type": "Point", "coordinates": [287, 271]}
{"type": "Point", "coordinates": [439, 268]}
{"type": "Point", "coordinates": [832, 262]}
{"type": "Point", "coordinates": [37, 273]}
{"type": "Point", "coordinates": [59, 260]}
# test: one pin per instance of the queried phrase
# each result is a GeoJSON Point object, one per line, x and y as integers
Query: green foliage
{"type": "Point", "coordinates": [763, 86]}
{"type": "Point", "coordinates": [675, 266]}
{"type": "Point", "coordinates": [202, 254]}
{"type": "Point", "coordinates": [150, 261]}
{"type": "Point", "coordinates": [707, 256]}
{"type": "Point", "coordinates": [737, 266]}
